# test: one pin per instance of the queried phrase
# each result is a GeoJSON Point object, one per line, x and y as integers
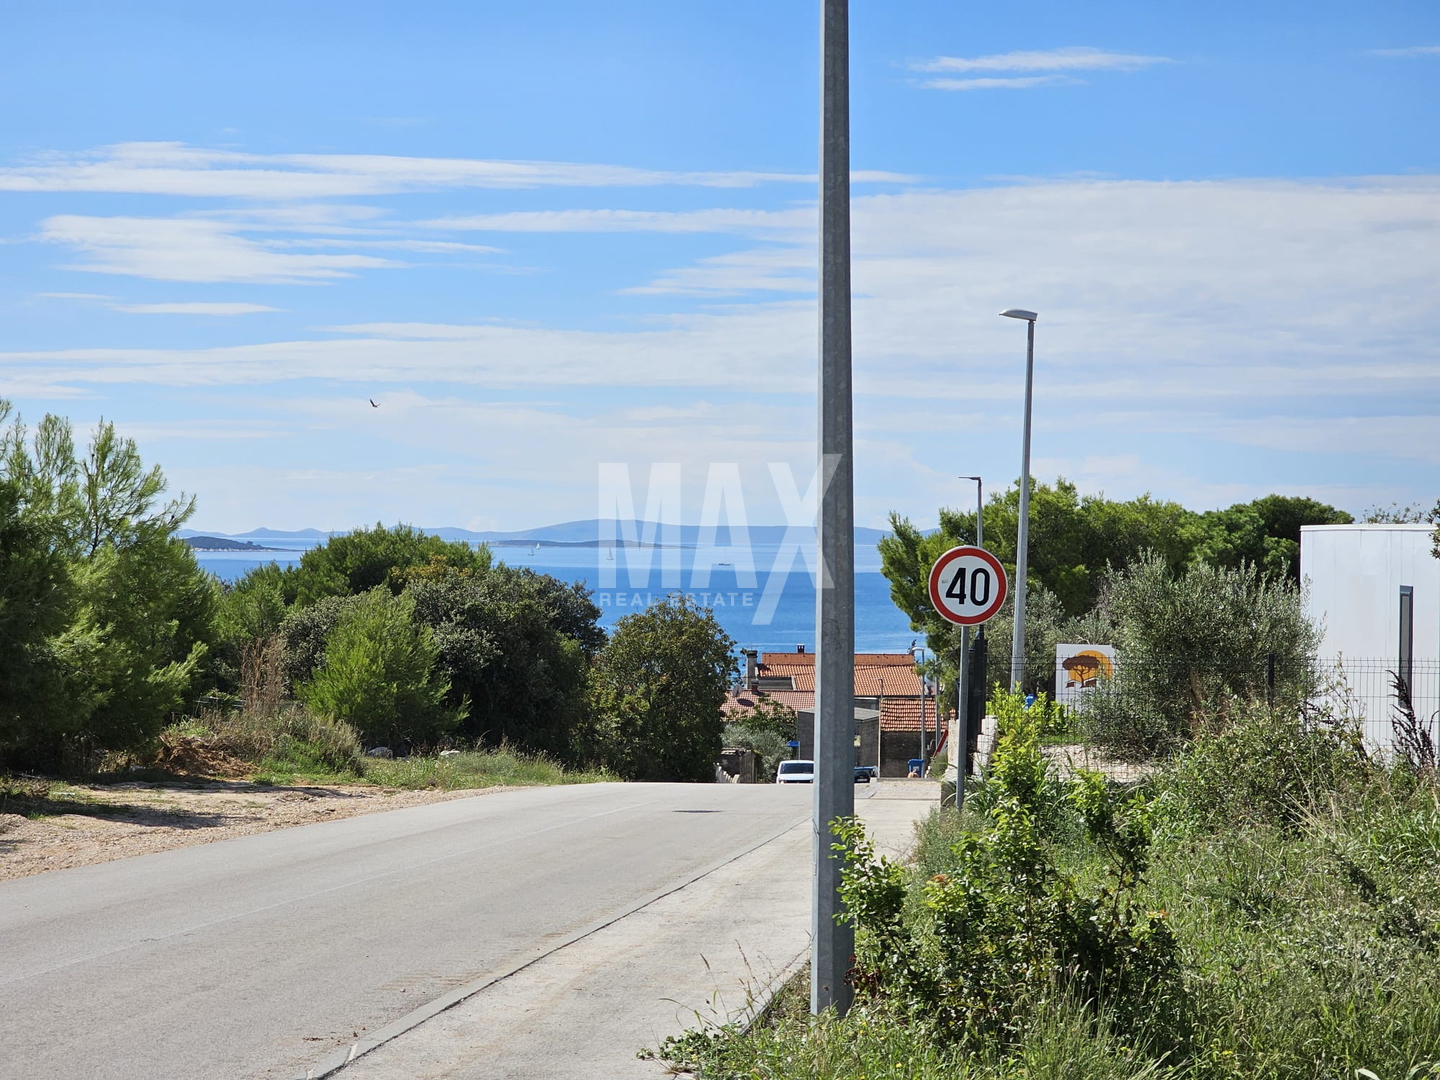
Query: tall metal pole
{"type": "Point", "coordinates": [923, 732]}
{"type": "Point", "coordinates": [833, 943]}
{"type": "Point", "coordinates": [1022, 543]}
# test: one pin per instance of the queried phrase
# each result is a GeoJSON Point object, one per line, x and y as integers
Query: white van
{"type": "Point", "coordinates": [795, 772]}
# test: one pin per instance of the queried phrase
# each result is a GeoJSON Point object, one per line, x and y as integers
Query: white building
{"type": "Point", "coordinates": [1375, 591]}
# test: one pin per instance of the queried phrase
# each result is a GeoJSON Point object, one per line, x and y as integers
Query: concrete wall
{"type": "Point", "coordinates": [1353, 575]}
{"type": "Point", "coordinates": [896, 750]}
{"type": "Point", "coordinates": [737, 766]}
{"type": "Point", "coordinates": [867, 726]}
{"type": "Point", "coordinates": [985, 745]}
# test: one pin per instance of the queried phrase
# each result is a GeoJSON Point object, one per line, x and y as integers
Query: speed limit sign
{"type": "Point", "coordinates": [967, 585]}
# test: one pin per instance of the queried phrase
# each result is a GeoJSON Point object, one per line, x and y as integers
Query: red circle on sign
{"type": "Point", "coordinates": [956, 605]}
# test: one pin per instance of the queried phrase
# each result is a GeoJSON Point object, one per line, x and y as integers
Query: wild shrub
{"type": "Point", "coordinates": [289, 734]}
{"type": "Point", "coordinates": [1267, 767]}
{"type": "Point", "coordinates": [380, 675]}
{"type": "Point", "coordinates": [516, 645]}
{"type": "Point", "coordinates": [1003, 921]}
{"type": "Point", "coordinates": [1414, 737]}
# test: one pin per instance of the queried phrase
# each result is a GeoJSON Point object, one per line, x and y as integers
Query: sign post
{"type": "Point", "coordinates": [967, 587]}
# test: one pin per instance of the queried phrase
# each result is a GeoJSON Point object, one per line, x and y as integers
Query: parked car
{"type": "Point", "coordinates": [862, 774]}
{"type": "Point", "coordinates": [795, 771]}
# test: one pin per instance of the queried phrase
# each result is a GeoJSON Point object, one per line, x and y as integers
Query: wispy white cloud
{"type": "Point", "coordinates": [1171, 291]}
{"type": "Point", "coordinates": [1408, 51]}
{"type": "Point", "coordinates": [1021, 82]}
{"type": "Point", "coordinates": [429, 247]}
{"type": "Point", "coordinates": [200, 307]}
{"type": "Point", "coordinates": [190, 431]}
{"type": "Point", "coordinates": [748, 222]}
{"type": "Point", "coordinates": [210, 248]}
{"type": "Point", "coordinates": [1281, 315]}
{"type": "Point", "coordinates": [176, 169]}
{"type": "Point", "coordinates": [785, 269]}
{"type": "Point", "coordinates": [1074, 58]}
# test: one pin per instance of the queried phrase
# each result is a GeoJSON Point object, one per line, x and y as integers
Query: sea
{"type": "Point", "coordinates": [767, 608]}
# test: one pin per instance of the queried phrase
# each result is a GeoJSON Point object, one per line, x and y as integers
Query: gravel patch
{"type": "Point", "coordinates": [81, 824]}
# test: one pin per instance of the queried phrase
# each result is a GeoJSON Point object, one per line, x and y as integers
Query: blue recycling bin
{"type": "Point", "coordinates": [917, 765]}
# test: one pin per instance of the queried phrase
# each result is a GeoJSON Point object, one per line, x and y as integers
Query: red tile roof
{"type": "Point", "coordinates": [746, 699]}
{"type": "Point", "coordinates": [882, 675]}
{"type": "Point", "coordinates": [887, 682]}
{"type": "Point", "coordinates": [782, 663]}
{"type": "Point", "coordinates": [903, 714]}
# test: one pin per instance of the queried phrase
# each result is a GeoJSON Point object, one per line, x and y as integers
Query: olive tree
{"type": "Point", "coordinates": [1191, 646]}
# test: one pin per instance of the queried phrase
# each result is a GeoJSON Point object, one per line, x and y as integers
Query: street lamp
{"type": "Point", "coordinates": [1022, 541]}
{"type": "Point", "coordinates": [832, 937]}
{"type": "Point", "coordinates": [914, 645]}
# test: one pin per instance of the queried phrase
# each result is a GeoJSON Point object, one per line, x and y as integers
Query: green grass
{"type": "Point", "coordinates": [294, 746]}
{"type": "Point", "coordinates": [477, 768]}
{"type": "Point", "coordinates": [502, 767]}
{"type": "Point", "coordinates": [1303, 892]}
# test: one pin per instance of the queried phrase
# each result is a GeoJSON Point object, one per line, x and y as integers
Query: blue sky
{"type": "Point", "coordinates": [553, 235]}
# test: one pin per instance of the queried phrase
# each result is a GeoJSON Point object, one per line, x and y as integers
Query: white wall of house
{"type": "Point", "coordinates": [1353, 576]}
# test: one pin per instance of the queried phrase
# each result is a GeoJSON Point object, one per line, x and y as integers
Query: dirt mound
{"type": "Point", "coordinates": [186, 755]}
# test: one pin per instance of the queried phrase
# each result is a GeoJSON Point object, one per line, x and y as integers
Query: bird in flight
{"type": "Point", "coordinates": [372, 404]}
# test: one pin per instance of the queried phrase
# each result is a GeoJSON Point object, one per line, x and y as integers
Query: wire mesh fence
{"type": "Point", "coordinates": [1368, 691]}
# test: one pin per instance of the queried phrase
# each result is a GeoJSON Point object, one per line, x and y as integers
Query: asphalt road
{"type": "Point", "coordinates": [257, 957]}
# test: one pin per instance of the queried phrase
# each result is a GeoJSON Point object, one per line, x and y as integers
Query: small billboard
{"type": "Point", "coordinates": [1079, 667]}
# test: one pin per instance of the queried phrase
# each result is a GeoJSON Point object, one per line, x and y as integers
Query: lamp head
{"type": "Point", "coordinates": [1019, 313]}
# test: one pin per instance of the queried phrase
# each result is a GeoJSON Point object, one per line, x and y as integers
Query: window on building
{"type": "Point", "coordinates": [1407, 637]}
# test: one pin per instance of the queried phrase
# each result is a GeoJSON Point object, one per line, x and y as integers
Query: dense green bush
{"type": "Point", "coordinates": [1003, 923]}
{"type": "Point", "coordinates": [515, 645]}
{"type": "Point", "coordinates": [290, 737]}
{"type": "Point", "coordinates": [356, 562]}
{"type": "Point", "coordinates": [304, 632]}
{"type": "Point", "coordinates": [379, 675]}
{"type": "Point", "coordinates": [37, 595]}
{"type": "Point", "coordinates": [1267, 767]}
{"type": "Point", "coordinates": [657, 690]}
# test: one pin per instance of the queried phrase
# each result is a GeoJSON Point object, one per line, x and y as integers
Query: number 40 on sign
{"type": "Point", "coordinates": [967, 585]}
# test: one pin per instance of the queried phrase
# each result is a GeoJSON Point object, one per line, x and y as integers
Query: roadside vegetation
{"type": "Point", "coordinates": [119, 656]}
{"type": "Point", "coordinates": [1266, 905]}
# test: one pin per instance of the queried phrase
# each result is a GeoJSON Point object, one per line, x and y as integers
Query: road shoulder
{"type": "Point", "coordinates": [703, 954]}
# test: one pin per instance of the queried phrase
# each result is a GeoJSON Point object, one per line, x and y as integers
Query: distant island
{"type": "Point", "coordinates": [220, 543]}
{"type": "Point", "coordinates": [585, 533]}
